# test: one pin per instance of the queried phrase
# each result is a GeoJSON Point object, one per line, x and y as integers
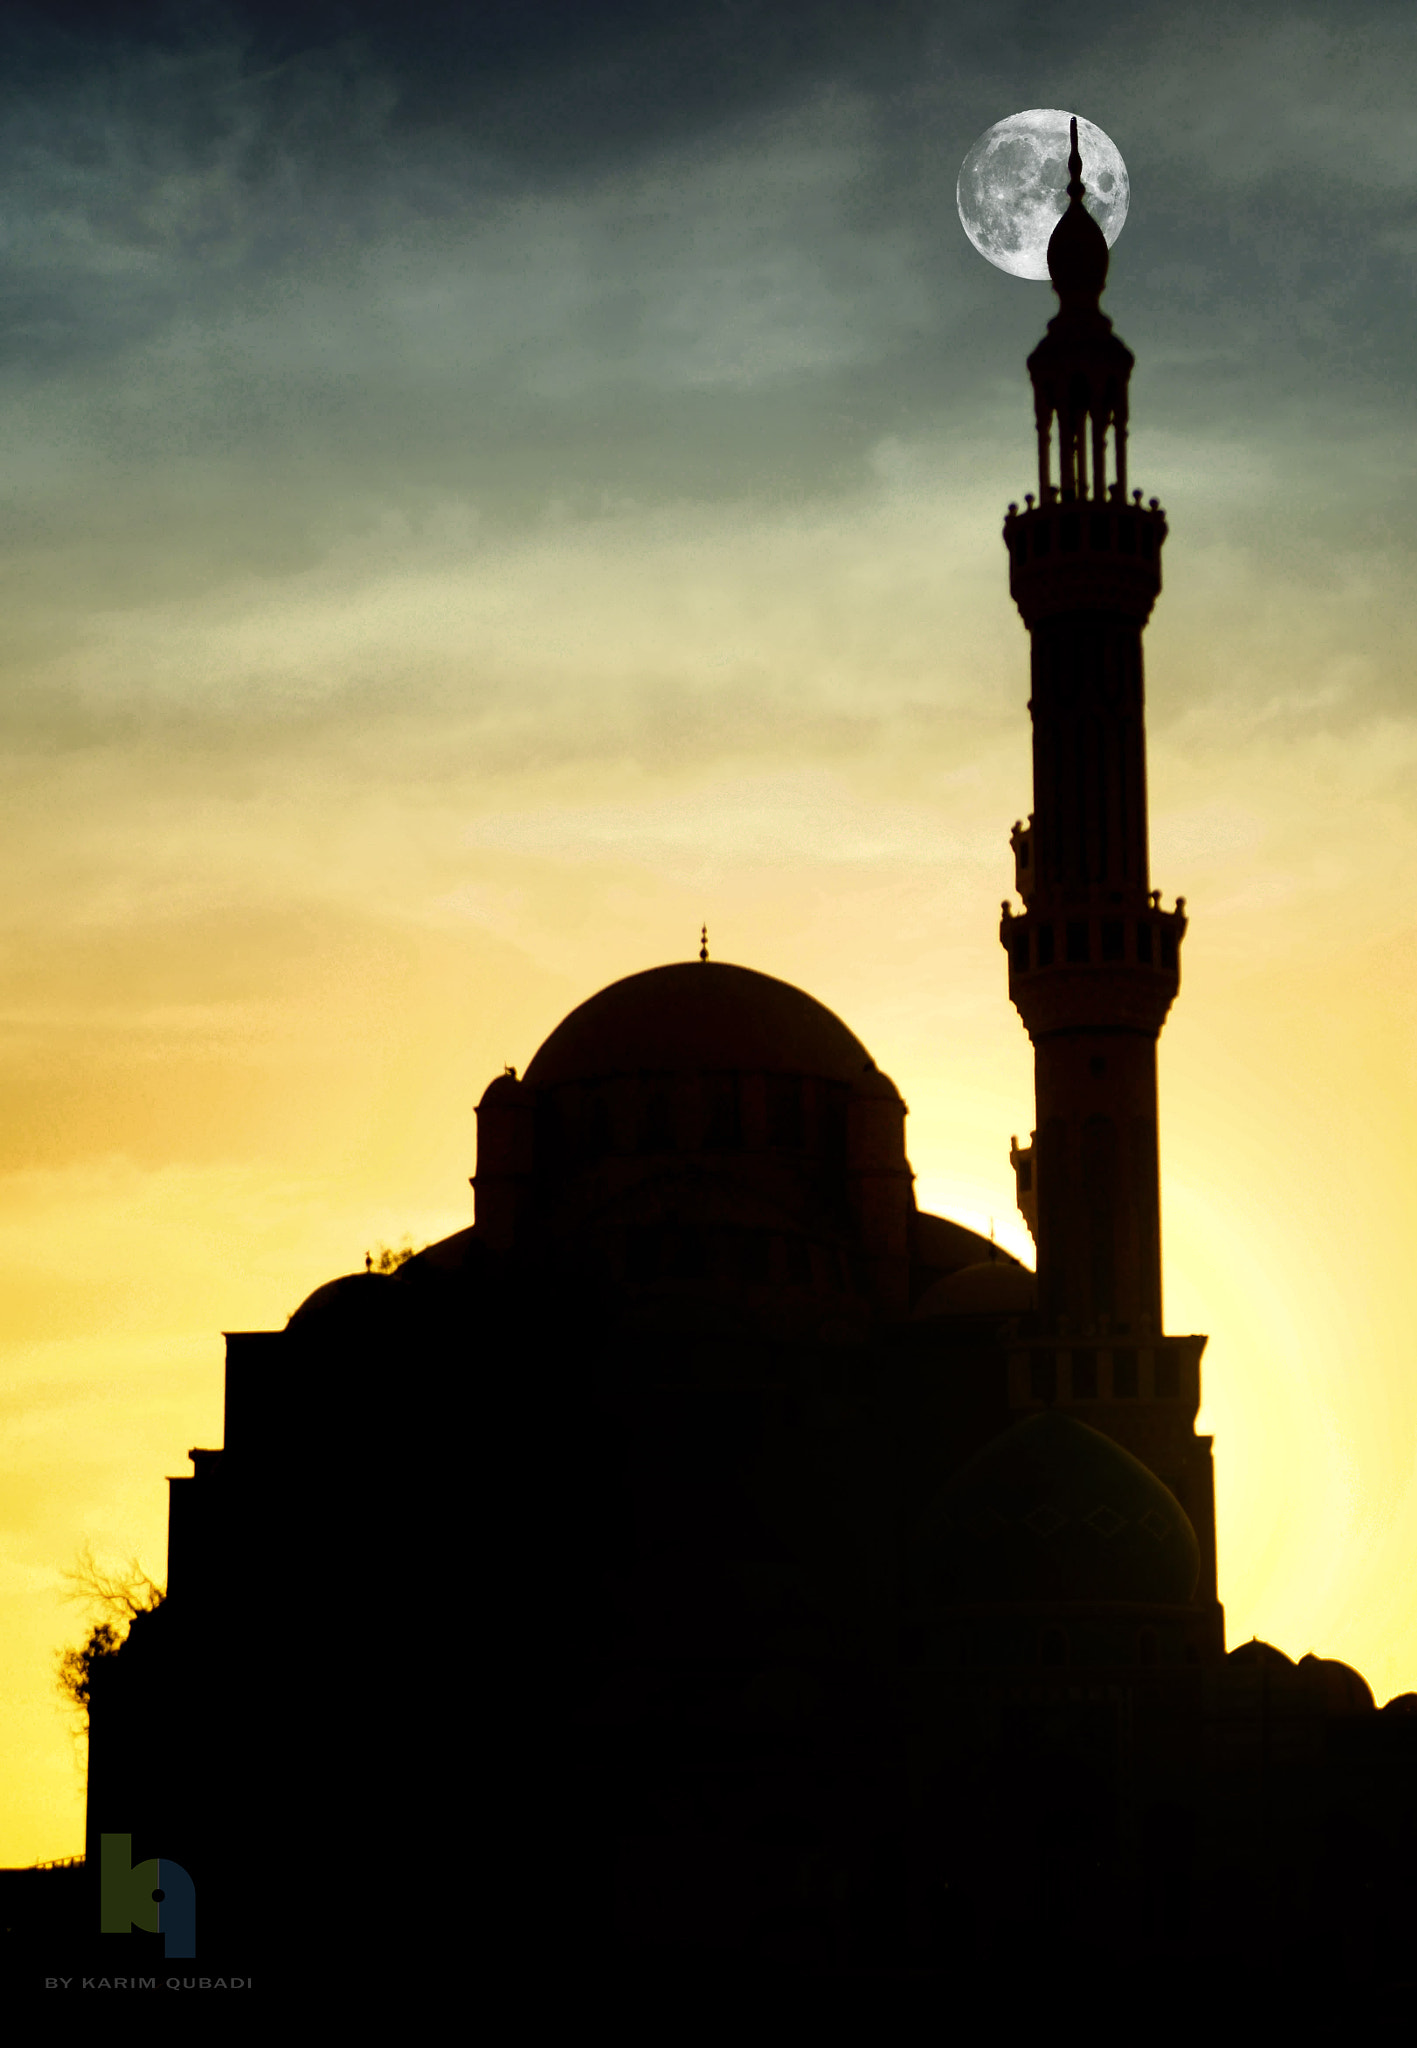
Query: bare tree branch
{"type": "Point", "coordinates": [115, 1594]}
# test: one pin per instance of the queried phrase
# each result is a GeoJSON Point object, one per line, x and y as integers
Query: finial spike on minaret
{"type": "Point", "coordinates": [1077, 248]}
{"type": "Point", "coordinates": [703, 943]}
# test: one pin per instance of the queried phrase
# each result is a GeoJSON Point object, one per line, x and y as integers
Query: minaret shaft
{"type": "Point", "coordinates": [1089, 761]}
{"type": "Point", "coordinates": [1094, 961]}
{"type": "Point", "coordinates": [1098, 1189]}
{"type": "Point", "coordinates": [1097, 1215]}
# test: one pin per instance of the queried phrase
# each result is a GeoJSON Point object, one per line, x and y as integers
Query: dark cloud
{"type": "Point", "coordinates": [549, 83]}
{"type": "Point", "coordinates": [271, 277]}
{"type": "Point", "coordinates": [169, 162]}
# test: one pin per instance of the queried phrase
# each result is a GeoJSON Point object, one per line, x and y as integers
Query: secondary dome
{"type": "Point", "coordinates": [700, 1016]}
{"type": "Point", "coordinates": [350, 1298]}
{"type": "Point", "coordinates": [1053, 1510]}
{"type": "Point", "coordinates": [1339, 1688]}
{"type": "Point", "coordinates": [996, 1286]}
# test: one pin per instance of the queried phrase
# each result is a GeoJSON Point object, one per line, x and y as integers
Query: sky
{"type": "Point", "coordinates": [487, 489]}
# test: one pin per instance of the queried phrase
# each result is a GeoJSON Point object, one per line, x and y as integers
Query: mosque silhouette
{"type": "Point", "coordinates": [743, 1572]}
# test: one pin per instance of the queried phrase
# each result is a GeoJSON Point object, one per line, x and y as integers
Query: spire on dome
{"type": "Point", "coordinates": [1077, 247]}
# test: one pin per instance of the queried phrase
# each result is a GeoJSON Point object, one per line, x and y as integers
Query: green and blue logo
{"type": "Point", "coordinates": [157, 1896]}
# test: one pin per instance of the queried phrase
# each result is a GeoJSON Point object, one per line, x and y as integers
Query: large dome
{"type": "Point", "coordinates": [700, 1016]}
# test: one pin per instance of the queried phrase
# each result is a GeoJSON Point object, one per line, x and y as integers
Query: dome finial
{"type": "Point", "coordinates": [1077, 248]}
{"type": "Point", "coordinates": [703, 943]}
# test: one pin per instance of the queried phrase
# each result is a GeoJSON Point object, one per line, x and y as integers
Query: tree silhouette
{"type": "Point", "coordinates": [389, 1258]}
{"type": "Point", "coordinates": [119, 1597]}
{"type": "Point", "coordinates": [76, 1665]}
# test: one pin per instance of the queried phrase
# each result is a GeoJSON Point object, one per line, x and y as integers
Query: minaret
{"type": "Point", "coordinates": [1094, 960]}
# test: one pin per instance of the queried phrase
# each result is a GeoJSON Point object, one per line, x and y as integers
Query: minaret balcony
{"type": "Point", "coordinates": [1092, 1373]}
{"type": "Point", "coordinates": [1074, 554]}
{"type": "Point", "coordinates": [1085, 968]}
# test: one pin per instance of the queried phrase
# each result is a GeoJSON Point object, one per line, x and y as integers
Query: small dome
{"type": "Point", "coordinates": [504, 1088]}
{"type": "Point", "coordinates": [991, 1287]}
{"type": "Point", "coordinates": [349, 1297]}
{"type": "Point", "coordinates": [1053, 1510]}
{"type": "Point", "coordinates": [458, 1255]}
{"type": "Point", "coordinates": [1339, 1688]}
{"type": "Point", "coordinates": [702, 1016]}
{"type": "Point", "coordinates": [1258, 1653]}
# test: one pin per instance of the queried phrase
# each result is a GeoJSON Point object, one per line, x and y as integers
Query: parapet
{"type": "Point", "coordinates": [1078, 555]}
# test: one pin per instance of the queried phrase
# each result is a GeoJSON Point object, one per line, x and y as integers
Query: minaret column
{"type": "Point", "coordinates": [1094, 961]}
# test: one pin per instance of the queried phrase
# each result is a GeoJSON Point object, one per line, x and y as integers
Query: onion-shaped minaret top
{"type": "Point", "coordinates": [1077, 248]}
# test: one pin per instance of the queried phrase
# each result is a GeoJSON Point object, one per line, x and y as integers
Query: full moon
{"type": "Point", "coordinates": [1013, 187]}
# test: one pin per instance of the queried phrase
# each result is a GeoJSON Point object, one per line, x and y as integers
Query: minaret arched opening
{"type": "Point", "coordinates": [1088, 423]}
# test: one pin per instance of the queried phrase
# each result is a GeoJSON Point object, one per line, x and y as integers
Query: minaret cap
{"type": "Point", "coordinates": [1077, 247]}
